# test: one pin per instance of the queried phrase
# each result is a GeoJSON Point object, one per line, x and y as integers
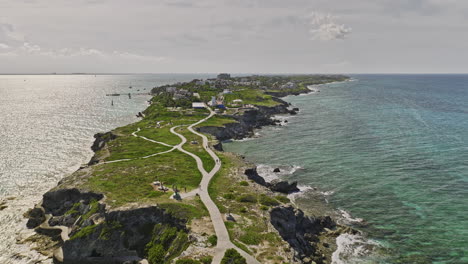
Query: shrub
{"type": "Point", "coordinates": [250, 238]}
{"type": "Point", "coordinates": [206, 260]}
{"type": "Point", "coordinates": [264, 207]}
{"type": "Point", "coordinates": [156, 254]}
{"type": "Point", "coordinates": [248, 198]}
{"type": "Point", "coordinates": [243, 210]}
{"type": "Point", "coordinates": [283, 199]}
{"type": "Point", "coordinates": [187, 261]}
{"type": "Point", "coordinates": [244, 183]}
{"type": "Point", "coordinates": [268, 201]}
{"type": "Point", "coordinates": [229, 196]}
{"type": "Point", "coordinates": [233, 257]}
{"type": "Point", "coordinates": [213, 240]}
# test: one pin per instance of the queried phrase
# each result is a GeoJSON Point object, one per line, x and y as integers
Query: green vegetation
{"type": "Point", "coordinates": [187, 261]}
{"type": "Point", "coordinates": [108, 228]}
{"type": "Point", "coordinates": [233, 257]}
{"type": "Point", "coordinates": [130, 147]}
{"type": "Point", "coordinates": [84, 232]}
{"type": "Point", "coordinates": [213, 240]}
{"type": "Point", "coordinates": [247, 198]}
{"type": "Point", "coordinates": [251, 96]}
{"type": "Point", "coordinates": [206, 260]}
{"type": "Point", "coordinates": [268, 201]}
{"type": "Point", "coordinates": [283, 199]}
{"type": "Point", "coordinates": [167, 243]}
{"type": "Point", "coordinates": [74, 209]}
{"type": "Point", "coordinates": [184, 211]}
{"type": "Point", "coordinates": [93, 208]}
{"type": "Point", "coordinates": [130, 181]}
{"type": "Point", "coordinates": [244, 183]}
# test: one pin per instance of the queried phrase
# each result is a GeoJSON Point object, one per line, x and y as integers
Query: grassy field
{"type": "Point", "coordinates": [251, 96]}
{"type": "Point", "coordinates": [249, 205]}
{"type": "Point", "coordinates": [129, 181]}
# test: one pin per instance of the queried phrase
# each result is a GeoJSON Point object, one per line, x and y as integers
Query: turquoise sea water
{"type": "Point", "coordinates": [390, 149]}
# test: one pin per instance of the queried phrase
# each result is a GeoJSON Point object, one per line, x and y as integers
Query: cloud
{"type": "Point", "coordinates": [134, 56]}
{"type": "Point", "coordinates": [9, 35]}
{"type": "Point", "coordinates": [4, 46]}
{"type": "Point", "coordinates": [324, 27]}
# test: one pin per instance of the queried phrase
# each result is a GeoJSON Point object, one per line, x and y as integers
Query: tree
{"type": "Point", "coordinates": [233, 257]}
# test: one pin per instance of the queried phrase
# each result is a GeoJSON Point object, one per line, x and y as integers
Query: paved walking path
{"type": "Point", "coordinates": [224, 241]}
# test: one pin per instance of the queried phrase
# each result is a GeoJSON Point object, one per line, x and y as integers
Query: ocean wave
{"type": "Point", "coordinates": [348, 219]}
{"type": "Point", "coordinates": [351, 248]}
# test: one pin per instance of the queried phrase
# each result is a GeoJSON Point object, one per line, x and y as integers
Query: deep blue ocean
{"type": "Point", "coordinates": [387, 153]}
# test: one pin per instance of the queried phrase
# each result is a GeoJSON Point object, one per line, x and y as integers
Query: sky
{"type": "Point", "coordinates": [237, 36]}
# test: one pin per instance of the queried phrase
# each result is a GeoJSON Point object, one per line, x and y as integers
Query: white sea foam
{"type": "Point", "coordinates": [351, 248]}
{"type": "Point", "coordinates": [348, 219]}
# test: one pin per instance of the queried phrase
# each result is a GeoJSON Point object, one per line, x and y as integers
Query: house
{"type": "Point", "coordinates": [197, 95]}
{"type": "Point", "coordinates": [227, 91]}
{"type": "Point", "coordinates": [237, 101]}
{"type": "Point", "coordinates": [198, 105]}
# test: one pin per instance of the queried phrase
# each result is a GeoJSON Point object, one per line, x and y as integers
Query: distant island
{"type": "Point", "coordinates": [162, 190]}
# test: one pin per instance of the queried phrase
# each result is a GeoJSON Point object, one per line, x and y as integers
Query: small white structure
{"type": "Point", "coordinates": [227, 91]}
{"type": "Point", "coordinates": [237, 101]}
{"type": "Point", "coordinates": [198, 105]}
{"type": "Point", "coordinates": [197, 95]}
{"type": "Point", "coordinates": [212, 102]}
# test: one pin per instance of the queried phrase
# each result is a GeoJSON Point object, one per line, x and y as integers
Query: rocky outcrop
{"type": "Point", "coordinates": [101, 139]}
{"type": "Point", "coordinates": [253, 175]}
{"type": "Point", "coordinates": [36, 216]}
{"type": "Point", "coordinates": [246, 123]}
{"type": "Point", "coordinates": [60, 201]}
{"type": "Point", "coordinates": [283, 186]}
{"type": "Point", "coordinates": [276, 170]}
{"type": "Point", "coordinates": [122, 236]}
{"type": "Point", "coordinates": [219, 146]}
{"type": "Point", "coordinates": [275, 185]}
{"type": "Point", "coordinates": [301, 232]}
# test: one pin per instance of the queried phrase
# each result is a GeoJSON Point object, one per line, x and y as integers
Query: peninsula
{"type": "Point", "coordinates": [162, 190]}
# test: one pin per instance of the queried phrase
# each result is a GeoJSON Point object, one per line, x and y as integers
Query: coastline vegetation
{"type": "Point", "coordinates": [129, 182]}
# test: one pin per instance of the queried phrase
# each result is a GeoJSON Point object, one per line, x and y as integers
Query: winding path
{"type": "Point", "coordinates": [224, 241]}
{"type": "Point", "coordinates": [221, 231]}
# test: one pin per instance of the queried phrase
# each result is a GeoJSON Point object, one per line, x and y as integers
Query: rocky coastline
{"type": "Point", "coordinates": [99, 235]}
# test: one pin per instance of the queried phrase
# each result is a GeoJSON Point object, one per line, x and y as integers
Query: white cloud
{"type": "Point", "coordinates": [4, 46]}
{"type": "Point", "coordinates": [8, 34]}
{"type": "Point", "coordinates": [324, 27]}
{"type": "Point", "coordinates": [31, 48]}
{"type": "Point", "coordinates": [134, 56]}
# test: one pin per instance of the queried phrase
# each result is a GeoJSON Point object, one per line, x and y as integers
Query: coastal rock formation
{"type": "Point", "coordinates": [246, 123]}
{"type": "Point", "coordinates": [60, 201]}
{"type": "Point", "coordinates": [253, 175]}
{"type": "Point", "coordinates": [36, 217]}
{"type": "Point", "coordinates": [100, 141]}
{"type": "Point", "coordinates": [300, 231]}
{"type": "Point", "coordinates": [122, 236]}
{"type": "Point", "coordinates": [276, 170]}
{"type": "Point", "coordinates": [275, 185]}
{"type": "Point", "coordinates": [219, 146]}
{"type": "Point", "coordinates": [283, 186]}
{"type": "Point", "coordinates": [98, 236]}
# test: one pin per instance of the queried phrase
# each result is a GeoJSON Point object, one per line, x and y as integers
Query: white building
{"type": "Point", "coordinates": [198, 105]}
